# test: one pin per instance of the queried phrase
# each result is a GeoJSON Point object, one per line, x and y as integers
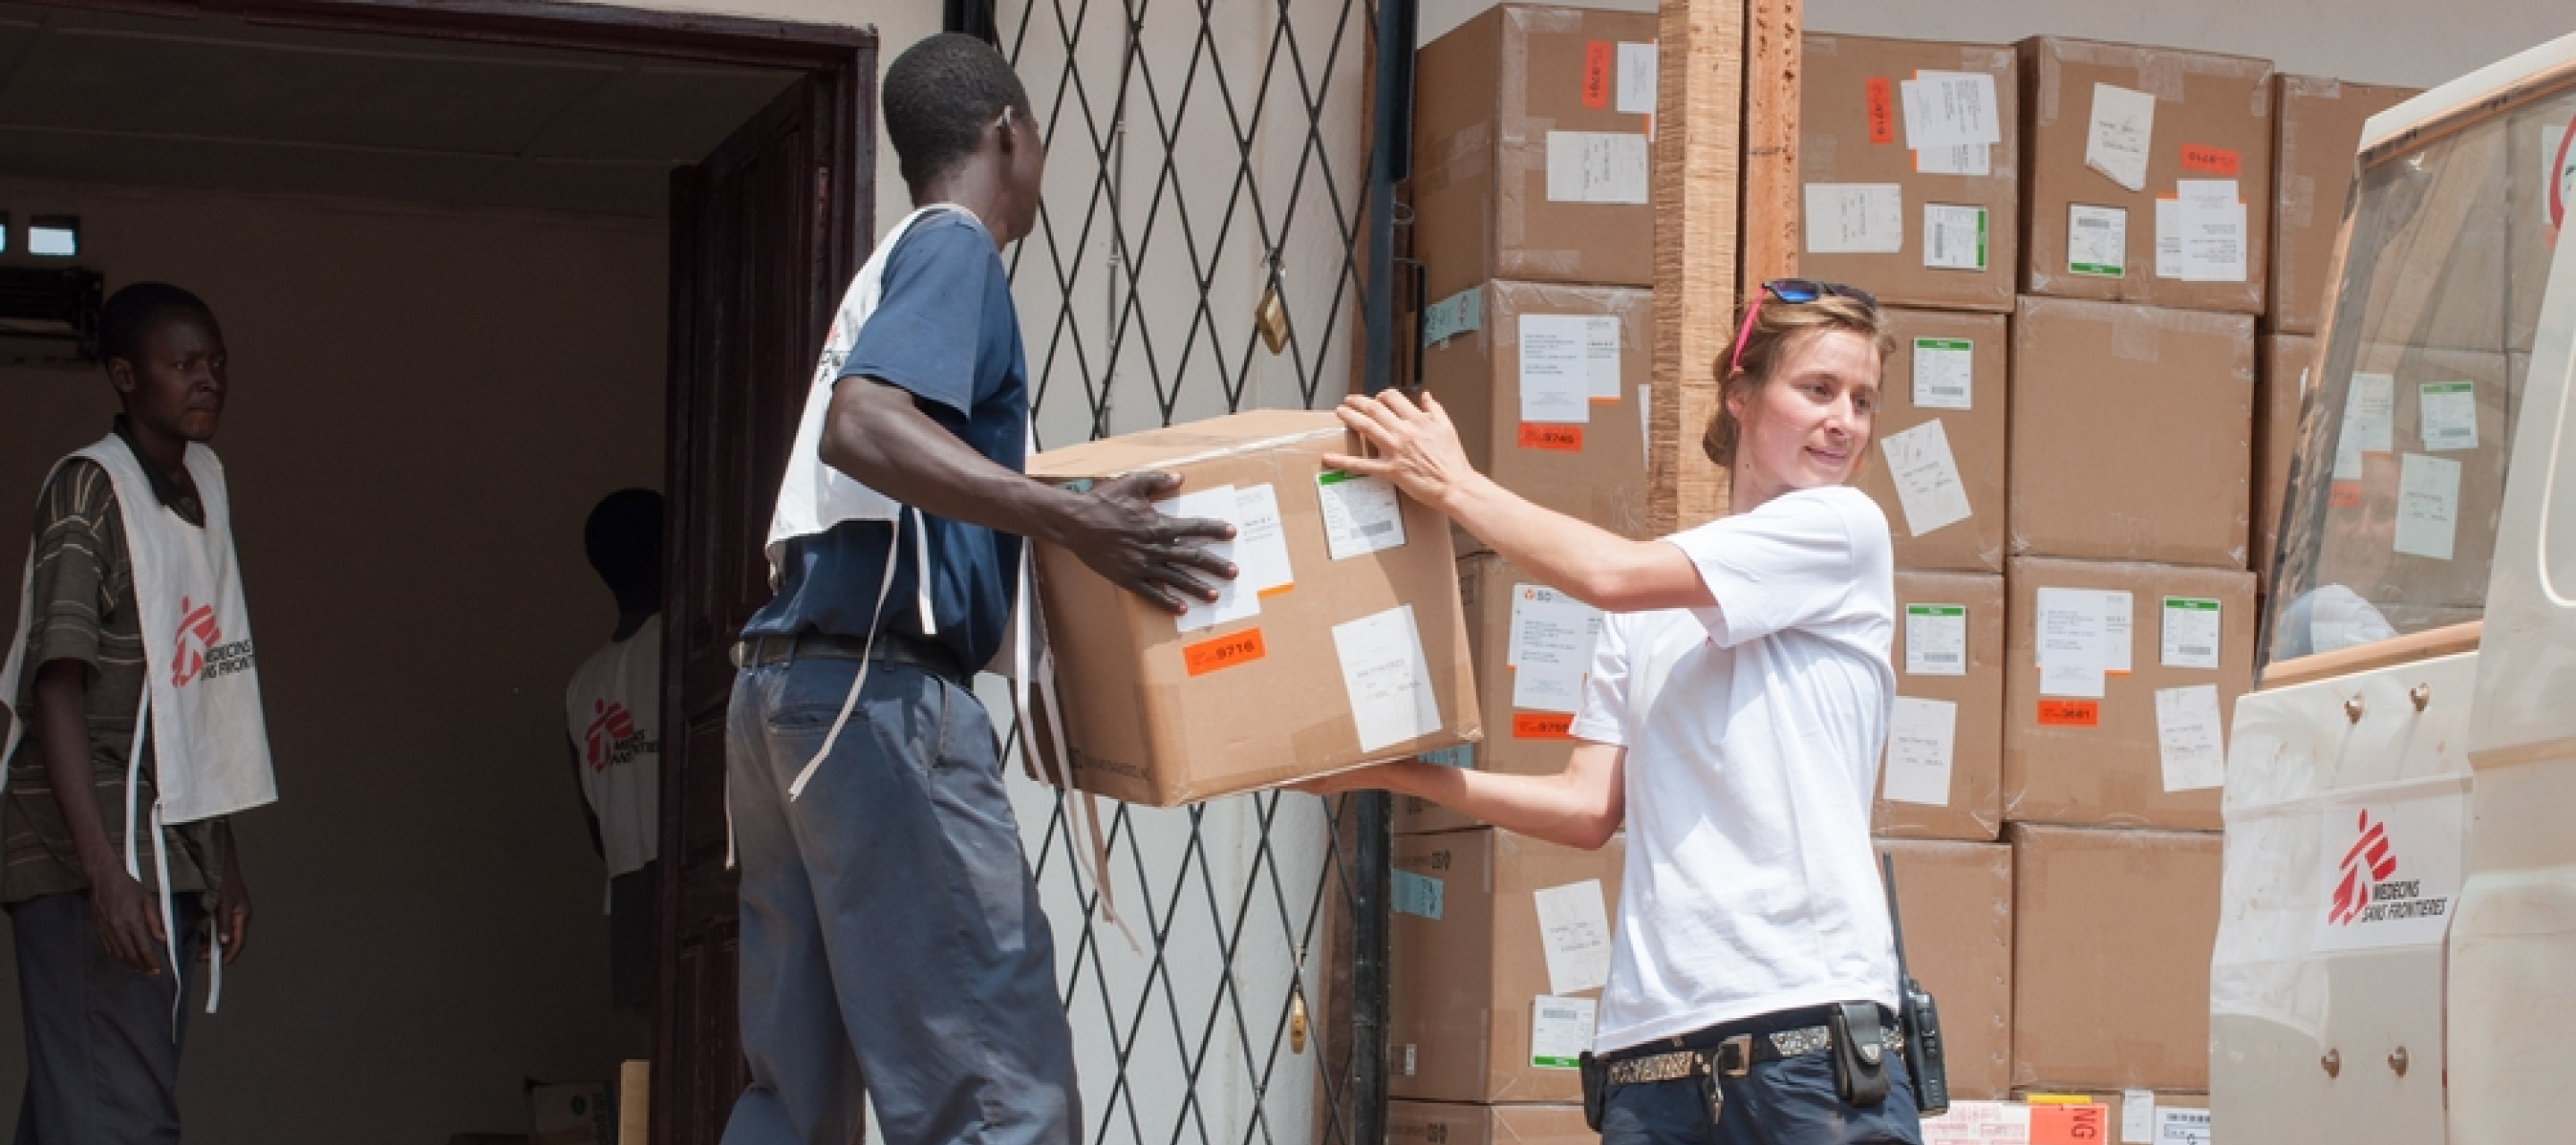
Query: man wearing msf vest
{"type": "Point", "coordinates": [891, 931]}
{"type": "Point", "coordinates": [614, 706]}
{"type": "Point", "coordinates": [134, 687]}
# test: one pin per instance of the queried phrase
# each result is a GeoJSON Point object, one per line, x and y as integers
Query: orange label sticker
{"type": "Point", "coordinates": [1561, 438]}
{"type": "Point", "coordinates": [1882, 110]}
{"type": "Point", "coordinates": [2344, 495]}
{"type": "Point", "coordinates": [1542, 725]}
{"type": "Point", "coordinates": [1275, 590]}
{"type": "Point", "coordinates": [2086, 1124]}
{"type": "Point", "coordinates": [1596, 73]}
{"type": "Point", "coordinates": [2069, 714]}
{"type": "Point", "coordinates": [2210, 160]}
{"type": "Point", "coordinates": [1223, 652]}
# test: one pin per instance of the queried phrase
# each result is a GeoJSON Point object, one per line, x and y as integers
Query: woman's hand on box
{"type": "Point", "coordinates": [1413, 445]}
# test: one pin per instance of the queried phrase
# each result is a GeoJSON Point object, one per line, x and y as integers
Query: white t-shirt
{"type": "Point", "coordinates": [1753, 732]}
{"type": "Point", "coordinates": [614, 711]}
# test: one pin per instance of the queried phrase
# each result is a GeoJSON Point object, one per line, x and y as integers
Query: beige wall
{"type": "Point", "coordinates": [424, 408]}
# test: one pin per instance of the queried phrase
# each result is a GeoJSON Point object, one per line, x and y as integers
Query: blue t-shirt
{"type": "Point", "coordinates": [945, 331]}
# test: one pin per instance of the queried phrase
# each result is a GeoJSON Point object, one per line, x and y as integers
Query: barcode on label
{"type": "Point", "coordinates": [1560, 1013]}
{"type": "Point", "coordinates": [2196, 650]}
{"type": "Point", "coordinates": [1947, 391]}
{"type": "Point", "coordinates": [1377, 528]}
{"type": "Point", "coordinates": [1940, 657]}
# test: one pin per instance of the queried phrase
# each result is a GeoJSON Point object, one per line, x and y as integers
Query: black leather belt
{"type": "Point", "coordinates": [888, 648]}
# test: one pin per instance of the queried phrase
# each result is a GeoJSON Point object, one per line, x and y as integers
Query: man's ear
{"type": "Point", "coordinates": [120, 374]}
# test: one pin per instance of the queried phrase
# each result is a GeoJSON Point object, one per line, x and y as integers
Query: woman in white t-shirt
{"type": "Point", "coordinates": [1732, 719]}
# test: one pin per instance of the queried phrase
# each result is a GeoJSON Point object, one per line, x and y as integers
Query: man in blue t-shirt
{"type": "Point", "coordinates": [891, 935]}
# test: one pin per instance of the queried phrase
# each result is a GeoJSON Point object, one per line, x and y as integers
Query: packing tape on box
{"type": "Point", "coordinates": [1464, 156]}
{"type": "Point", "coordinates": [1546, 21]}
{"type": "Point", "coordinates": [2299, 197]}
{"type": "Point", "coordinates": [1523, 153]}
{"type": "Point", "coordinates": [1816, 159]}
{"type": "Point", "coordinates": [2133, 335]}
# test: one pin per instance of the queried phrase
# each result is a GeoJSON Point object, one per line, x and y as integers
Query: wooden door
{"type": "Point", "coordinates": [765, 233]}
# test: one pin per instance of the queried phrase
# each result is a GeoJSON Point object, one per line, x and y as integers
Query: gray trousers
{"type": "Point", "coordinates": [102, 1056]}
{"type": "Point", "coordinates": [891, 934]}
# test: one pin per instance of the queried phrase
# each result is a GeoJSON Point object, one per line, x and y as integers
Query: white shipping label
{"type": "Point", "coordinates": [2117, 137]}
{"type": "Point", "coordinates": [1954, 238]}
{"type": "Point", "coordinates": [2428, 505]}
{"type": "Point", "coordinates": [1973, 159]}
{"type": "Point", "coordinates": [1551, 648]}
{"type": "Point", "coordinates": [2190, 633]}
{"type": "Point", "coordinates": [1927, 478]}
{"type": "Point", "coordinates": [1387, 678]}
{"type": "Point", "coordinates": [1979, 1123]}
{"type": "Point", "coordinates": [2070, 643]}
{"type": "Point", "coordinates": [2138, 1117]}
{"type": "Point", "coordinates": [1945, 109]}
{"type": "Point", "coordinates": [1361, 514]}
{"type": "Point", "coordinates": [1561, 1030]}
{"type": "Point", "coordinates": [1556, 369]}
{"type": "Point", "coordinates": [2368, 423]}
{"type": "Point", "coordinates": [1601, 355]}
{"type": "Point", "coordinates": [2448, 416]}
{"type": "Point", "coordinates": [2097, 241]}
{"type": "Point", "coordinates": [2189, 737]}
{"type": "Point", "coordinates": [2210, 219]}
{"type": "Point", "coordinates": [1235, 599]}
{"type": "Point", "coordinates": [1646, 422]}
{"type": "Point", "coordinates": [1945, 373]}
{"type": "Point", "coordinates": [1636, 79]}
{"type": "Point", "coordinates": [1919, 741]}
{"type": "Point", "coordinates": [2182, 1127]}
{"type": "Point", "coordinates": [1596, 167]}
{"type": "Point", "coordinates": [1936, 640]}
{"type": "Point", "coordinates": [2116, 607]}
{"type": "Point", "coordinates": [1574, 932]}
{"type": "Point", "coordinates": [1855, 218]}
{"type": "Point", "coordinates": [2388, 870]}
{"type": "Point", "coordinates": [1261, 541]}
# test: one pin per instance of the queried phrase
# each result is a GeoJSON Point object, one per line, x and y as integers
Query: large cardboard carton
{"type": "Point", "coordinates": [1530, 130]}
{"type": "Point", "coordinates": [1942, 775]}
{"type": "Point", "coordinates": [1532, 647]}
{"type": "Point", "coordinates": [2537, 160]}
{"type": "Point", "coordinates": [1547, 385]}
{"type": "Point", "coordinates": [1910, 155]}
{"type": "Point", "coordinates": [2112, 932]}
{"type": "Point", "coordinates": [1955, 900]}
{"type": "Point", "coordinates": [1448, 1123]}
{"type": "Point", "coordinates": [1341, 643]}
{"type": "Point", "coordinates": [1938, 469]}
{"type": "Point", "coordinates": [2044, 1117]}
{"type": "Point", "coordinates": [2140, 1115]}
{"type": "Point", "coordinates": [2124, 721]}
{"type": "Point", "coordinates": [2132, 431]}
{"type": "Point", "coordinates": [2415, 523]}
{"type": "Point", "coordinates": [2317, 124]}
{"type": "Point", "coordinates": [1492, 999]}
{"type": "Point", "coordinates": [2279, 388]}
{"type": "Point", "coordinates": [2147, 175]}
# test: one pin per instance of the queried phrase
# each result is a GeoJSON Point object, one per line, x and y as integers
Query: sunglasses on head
{"type": "Point", "coordinates": [1791, 290]}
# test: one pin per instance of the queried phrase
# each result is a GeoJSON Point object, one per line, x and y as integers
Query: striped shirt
{"type": "Point", "coordinates": [81, 600]}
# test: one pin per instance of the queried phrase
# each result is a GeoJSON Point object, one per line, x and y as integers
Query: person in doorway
{"type": "Point", "coordinates": [890, 930]}
{"type": "Point", "coordinates": [134, 679]}
{"type": "Point", "coordinates": [614, 713]}
{"type": "Point", "coordinates": [1738, 697]}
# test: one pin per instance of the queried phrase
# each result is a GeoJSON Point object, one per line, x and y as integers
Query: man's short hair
{"type": "Point", "coordinates": [940, 95]}
{"type": "Point", "coordinates": [131, 314]}
{"type": "Point", "coordinates": [624, 537]}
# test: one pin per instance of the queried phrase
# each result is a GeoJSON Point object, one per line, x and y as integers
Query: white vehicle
{"type": "Point", "coordinates": [2396, 958]}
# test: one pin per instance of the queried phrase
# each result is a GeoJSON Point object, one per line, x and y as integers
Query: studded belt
{"type": "Point", "coordinates": [1733, 1057]}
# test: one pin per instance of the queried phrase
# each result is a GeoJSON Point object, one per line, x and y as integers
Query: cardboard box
{"type": "Point", "coordinates": [2047, 1117]}
{"type": "Point", "coordinates": [1931, 227]}
{"type": "Point", "coordinates": [2112, 933]}
{"type": "Point", "coordinates": [1547, 385]}
{"type": "Point", "coordinates": [2139, 1115]}
{"type": "Point", "coordinates": [2317, 136]}
{"type": "Point", "coordinates": [2149, 750]}
{"type": "Point", "coordinates": [577, 1113]}
{"type": "Point", "coordinates": [2169, 122]}
{"type": "Point", "coordinates": [2390, 547]}
{"type": "Point", "coordinates": [1342, 643]}
{"type": "Point", "coordinates": [2279, 387]}
{"type": "Point", "coordinates": [1487, 1004]}
{"type": "Point", "coordinates": [1533, 703]}
{"type": "Point", "coordinates": [1445, 1123]}
{"type": "Point", "coordinates": [1949, 659]}
{"type": "Point", "coordinates": [2535, 138]}
{"type": "Point", "coordinates": [1530, 149]}
{"type": "Point", "coordinates": [2132, 430]}
{"type": "Point", "coordinates": [1948, 512]}
{"type": "Point", "coordinates": [1955, 900]}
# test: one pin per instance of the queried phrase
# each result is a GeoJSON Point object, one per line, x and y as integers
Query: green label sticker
{"type": "Point", "coordinates": [1335, 477]}
{"type": "Point", "coordinates": [1935, 610]}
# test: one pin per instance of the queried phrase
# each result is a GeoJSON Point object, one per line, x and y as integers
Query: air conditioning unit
{"type": "Point", "coordinates": [49, 315]}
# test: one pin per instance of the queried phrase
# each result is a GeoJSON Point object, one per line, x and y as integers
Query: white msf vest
{"type": "Point", "coordinates": [201, 673]}
{"type": "Point", "coordinates": [614, 712]}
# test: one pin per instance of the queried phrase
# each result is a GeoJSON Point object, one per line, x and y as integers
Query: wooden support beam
{"type": "Point", "coordinates": [1772, 204]}
{"type": "Point", "coordinates": [1696, 189]}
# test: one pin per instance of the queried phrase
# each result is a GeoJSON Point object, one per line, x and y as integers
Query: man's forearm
{"type": "Point", "coordinates": [877, 435]}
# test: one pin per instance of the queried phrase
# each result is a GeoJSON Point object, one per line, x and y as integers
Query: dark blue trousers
{"type": "Point", "coordinates": [891, 934]}
{"type": "Point", "coordinates": [102, 1055]}
{"type": "Point", "coordinates": [1792, 1101]}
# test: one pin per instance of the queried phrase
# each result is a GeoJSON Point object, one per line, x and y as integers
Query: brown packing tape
{"type": "Point", "coordinates": [1816, 159]}
{"type": "Point", "coordinates": [1463, 157]}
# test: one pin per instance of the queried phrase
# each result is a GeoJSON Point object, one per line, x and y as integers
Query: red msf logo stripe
{"type": "Point", "coordinates": [611, 722]}
{"type": "Point", "coordinates": [2370, 853]}
{"type": "Point", "coordinates": [197, 633]}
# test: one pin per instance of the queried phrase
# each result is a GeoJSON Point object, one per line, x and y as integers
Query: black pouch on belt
{"type": "Point", "coordinates": [1860, 1053]}
{"type": "Point", "coordinates": [1596, 1080]}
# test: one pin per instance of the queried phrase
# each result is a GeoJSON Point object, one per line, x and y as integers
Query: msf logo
{"type": "Point", "coordinates": [2370, 855]}
{"type": "Point", "coordinates": [611, 725]}
{"type": "Point", "coordinates": [197, 636]}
